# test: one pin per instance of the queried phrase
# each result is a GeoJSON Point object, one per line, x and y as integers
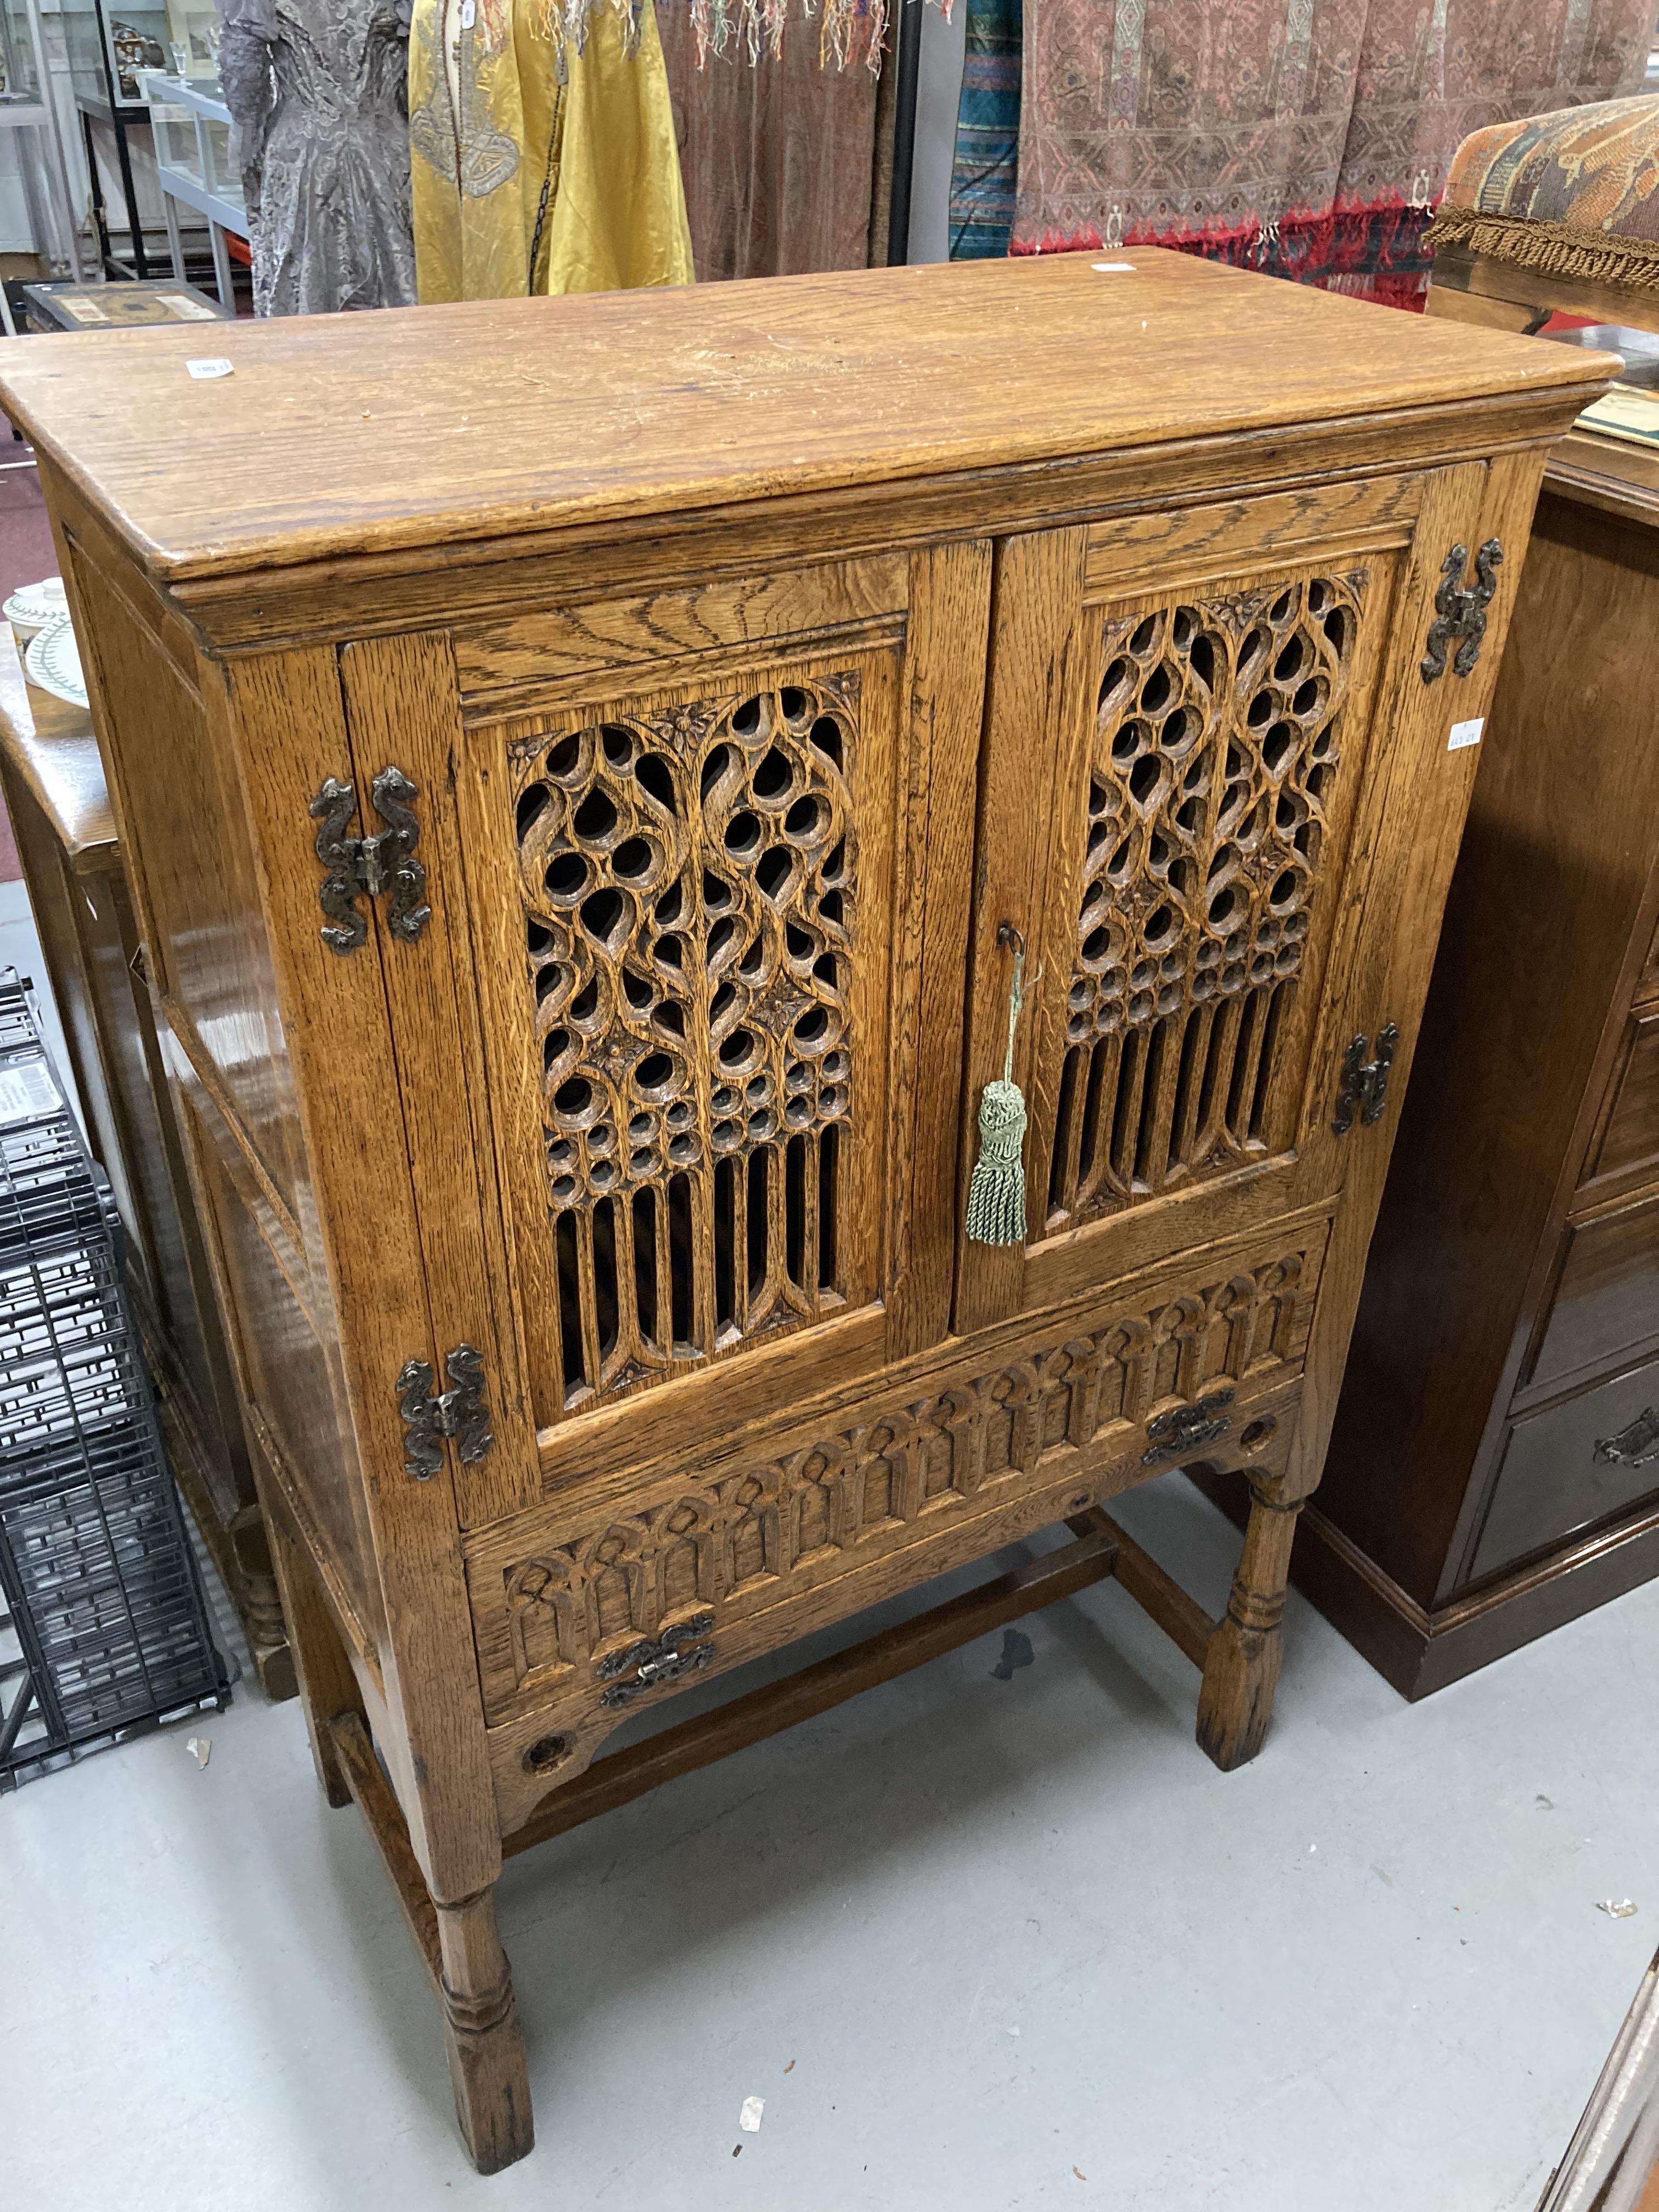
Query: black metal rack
{"type": "Point", "coordinates": [103, 1626]}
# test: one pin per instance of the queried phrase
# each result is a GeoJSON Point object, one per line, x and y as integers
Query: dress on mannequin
{"type": "Point", "coordinates": [541, 164]}
{"type": "Point", "coordinates": [318, 90]}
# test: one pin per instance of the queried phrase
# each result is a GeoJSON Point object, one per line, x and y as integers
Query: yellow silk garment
{"type": "Point", "coordinates": [521, 141]}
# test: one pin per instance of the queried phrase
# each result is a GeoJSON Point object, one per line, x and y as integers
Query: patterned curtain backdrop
{"type": "Point", "coordinates": [1308, 137]}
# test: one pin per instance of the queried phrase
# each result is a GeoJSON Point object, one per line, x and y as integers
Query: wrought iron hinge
{"type": "Point", "coordinates": [681, 1650]}
{"type": "Point", "coordinates": [1364, 1089]}
{"type": "Point", "coordinates": [459, 1412]}
{"type": "Point", "coordinates": [364, 867]}
{"type": "Point", "coordinates": [1634, 1446]}
{"type": "Point", "coordinates": [1186, 1429]}
{"type": "Point", "coordinates": [1460, 610]}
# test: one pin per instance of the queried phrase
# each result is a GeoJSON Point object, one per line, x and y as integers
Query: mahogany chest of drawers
{"type": "Point", "coordinates": [588, 769]}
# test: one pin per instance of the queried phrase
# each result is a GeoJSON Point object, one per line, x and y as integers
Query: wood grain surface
{"type": "Point", "coordinates": [421, 426]}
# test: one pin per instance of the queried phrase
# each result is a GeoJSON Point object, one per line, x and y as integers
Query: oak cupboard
{"type": "Point", "coordinates": [587, 766]}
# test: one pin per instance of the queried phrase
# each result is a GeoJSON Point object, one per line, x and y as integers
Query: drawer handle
{"type": "Point", "coordinates": [1186, 1428]}
{"type": "Point", "coordinates": [679, 1651]}
{"type": "Point", "coordinates": [1634, 1446]}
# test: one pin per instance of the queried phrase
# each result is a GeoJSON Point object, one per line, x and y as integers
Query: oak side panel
{"type": "Point", "coordinates": [185, 834]}
{"type": "Point", "coordinates": [288, 1379]}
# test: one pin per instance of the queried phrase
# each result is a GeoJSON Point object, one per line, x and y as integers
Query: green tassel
{"type": "Point", "coordinates": [996, 1196]}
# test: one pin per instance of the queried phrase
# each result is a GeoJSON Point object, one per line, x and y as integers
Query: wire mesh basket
{"type": "Point", "coordinates": [103, 1628]}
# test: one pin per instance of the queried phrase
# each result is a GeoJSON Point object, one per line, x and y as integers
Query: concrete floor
{"type": "Point", "coordinates": [978, 1944]}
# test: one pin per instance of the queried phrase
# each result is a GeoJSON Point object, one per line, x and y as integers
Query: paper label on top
{"type": "Point", "coordinates": [186, 309]}
{"type": "Point", "coordinates": [214, 365]}
{"type": "Point", "coordinates": [1465, 733]}
{"type": "Point", "coordinates": [84, 311]}
{"type": "Point", "coordinates": [27, 1092]}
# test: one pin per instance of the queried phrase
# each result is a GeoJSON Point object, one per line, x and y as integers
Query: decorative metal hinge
{"type": "Point", "coordinates": [1460, 610]}
{"type": "Point", "coordinates": [1636, 1445]}
{"type": "Point", "coordinates": [364, 868]}
{"type": "Point", "coordinates": [459, 1412]}
{"type": "Point", "coordinates": [1365, 1086]}
{"type": "Point", "coordinates": [1186, 1429]}
{"type": "Point", "coordinates": [681, 1650]}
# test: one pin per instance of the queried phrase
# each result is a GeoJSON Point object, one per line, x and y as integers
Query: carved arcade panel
{"type": "Point", "coordinates": [1215, 765]}
{"type": "Point", "coordinates": [750, 1530]}
{"type": "Point", "coordinates": [689, 876]}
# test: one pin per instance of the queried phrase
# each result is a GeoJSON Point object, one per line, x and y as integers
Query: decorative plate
{"type": "Point", "coordinates": [54, 661]}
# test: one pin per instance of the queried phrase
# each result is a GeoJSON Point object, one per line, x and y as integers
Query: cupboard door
{"type": "Point", "coordinates": [699, 1001]}
{"type": "Point", "coordinates": [1211, 754]}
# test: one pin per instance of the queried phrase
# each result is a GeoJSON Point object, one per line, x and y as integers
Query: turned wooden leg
{"type": "Point", "coordinates": [481, 2025]}
{"type": "Point", "coordinates": [1241, 1667]}
{"type": "Point", "coordinates": [322, 1671]}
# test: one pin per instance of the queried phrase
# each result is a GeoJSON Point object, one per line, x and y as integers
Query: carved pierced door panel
{"type": "Point", "coordinates": [681, 900]}
{"type": "Point", "coordinates": [1194, 892]}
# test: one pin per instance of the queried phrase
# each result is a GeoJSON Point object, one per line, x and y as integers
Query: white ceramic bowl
{"type": "Point", "coordinates": [32, 606]}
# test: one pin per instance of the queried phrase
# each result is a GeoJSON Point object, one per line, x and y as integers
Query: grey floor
{"type": "Point", "coordinates": [977, 1942]}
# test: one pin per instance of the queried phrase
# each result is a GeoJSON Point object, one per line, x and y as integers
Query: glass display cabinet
{"type": "Point", "coordinates": [25, 105]}
{"type": "Point", "coordinates": [191, 128]}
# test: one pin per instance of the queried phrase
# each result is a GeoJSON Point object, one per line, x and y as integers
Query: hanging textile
{"type": "Point", "coordinates": [986, 168]}
{"type": "Point", "coordinates": [1429, 76]}
{"type": "Point", "coordinates": [1308, 137]}
{"type": "Point", "coordinates": [316, 89]}
{"type": "Point", "coordinates": [776, 159]}
{"type": "Point", "coordinates": [542, 164]}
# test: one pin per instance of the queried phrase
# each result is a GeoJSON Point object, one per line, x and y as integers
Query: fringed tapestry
{"type": "Point", "coordinates": [1310, 138]}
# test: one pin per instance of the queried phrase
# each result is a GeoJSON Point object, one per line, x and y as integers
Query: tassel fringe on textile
{"type": "Point", "coordinates": [848, 30]}
{"type": "Point", "coordinates": [1550, 249]}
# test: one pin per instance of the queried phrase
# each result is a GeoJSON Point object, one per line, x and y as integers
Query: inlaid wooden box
{"type": "Point", "coordinates": [585, 767]}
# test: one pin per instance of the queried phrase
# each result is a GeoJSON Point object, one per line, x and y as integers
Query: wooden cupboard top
{"type": "Point", "coordinates": [347, 434]}
{"type": "Point", "coordinates": [50, 744]}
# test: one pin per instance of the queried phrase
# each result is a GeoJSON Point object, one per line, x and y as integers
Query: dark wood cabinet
{"type": "Point", "coordinates": [1494, 1463]}
{"type": "Point", "coordinates": [57, 798]}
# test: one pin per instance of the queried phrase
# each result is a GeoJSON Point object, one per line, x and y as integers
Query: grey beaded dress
{"type": "Point", "coordinates": [319, 93]}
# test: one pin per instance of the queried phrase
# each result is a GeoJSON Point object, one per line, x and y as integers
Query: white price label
{"type": "Point", "coordinates": [1465, 733]}
{"type": "Point", "coordinates": [186, 309]}
{"type": "Point", "coordinates": [216, 365]}
{"type": "Point", "coordinates": [27, 1092]}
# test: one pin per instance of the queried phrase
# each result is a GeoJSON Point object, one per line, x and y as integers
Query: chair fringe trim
{"type": "Point", "coordinates": [1549, 249]}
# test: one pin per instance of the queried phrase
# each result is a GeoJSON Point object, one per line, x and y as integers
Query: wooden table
{"type": "Point", "coordinates": [591, 767]}
{"type": "Point", "coordinates": [55, 792]}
